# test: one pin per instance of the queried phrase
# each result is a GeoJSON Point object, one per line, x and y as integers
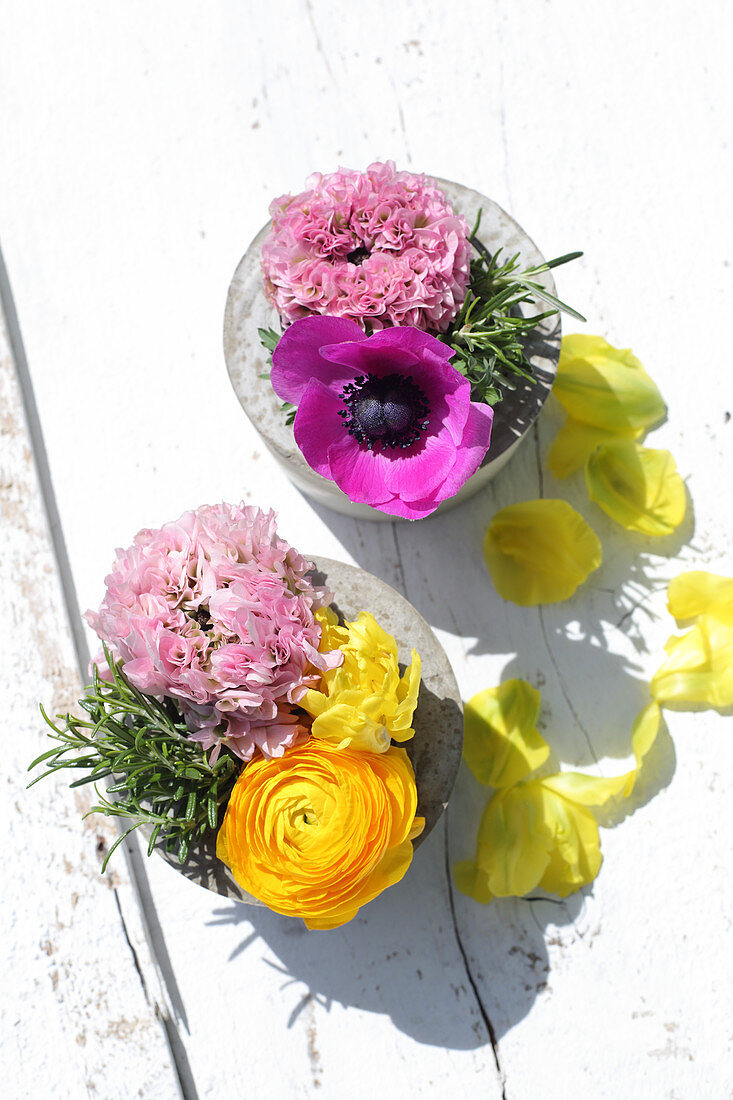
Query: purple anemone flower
{"type": "Point", "coordinates": [384, 416]}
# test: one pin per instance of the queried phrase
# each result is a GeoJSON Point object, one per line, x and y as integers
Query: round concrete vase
{"type": "Point", "coordinates": [435, 750]}
{"type": "Point", "coordinates": [247, 310]}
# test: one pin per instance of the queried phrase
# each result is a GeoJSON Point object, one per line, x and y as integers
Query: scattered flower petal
{"type": "Point", "coordinates": [501, 743]}
{"type": "Point", "coordinates": [540, 551]}
{"type": "Point", "coordinates": [605, 386]}
{"type": "Point", "coordinates": [637, 487]}
{"type": "Point", "coordinates": [699, 666]}
{"type": "Point", "coordinates": [697, 593]}
{"type": "Point", "coordinates": [607, 395]}
{"type": "Point", "coordinates": [575, 442]}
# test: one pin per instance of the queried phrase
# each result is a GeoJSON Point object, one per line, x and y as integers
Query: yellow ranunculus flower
{"type": "Point", "coordinates": [320, 831]}
{"type": "Point", "coordinates": [605, 392]}
{"type": "Point", "coordinates": [637, 487]}
{"type": "Point", "coordinates": [501, 743]}
{"type": "Point", "coordinates": [540, 551]}
{"type": "Point", "coordinates": [541, 833]}
{"type": "Point", "coordinates": [364, 703]}
{"type": "Point", "coordinates": [697, 592]}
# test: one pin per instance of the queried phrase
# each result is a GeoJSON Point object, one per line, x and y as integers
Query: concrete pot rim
{"type": "Point", "coordinates": [247, 310]}
{"type": "Point", "coordinates": [435, 750]}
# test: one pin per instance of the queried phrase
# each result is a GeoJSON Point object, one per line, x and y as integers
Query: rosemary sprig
{"type": "Point", "coordinates": [160, 777]}
{"type": "Point", "coordinates": [489, 334]}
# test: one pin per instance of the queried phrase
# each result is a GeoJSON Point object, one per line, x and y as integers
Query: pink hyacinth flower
{"type": "Point", "coordinates": [386, 417]}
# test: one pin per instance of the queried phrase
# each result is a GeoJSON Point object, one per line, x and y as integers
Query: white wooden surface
{"type": "Point", "coordinates": [141, 146]}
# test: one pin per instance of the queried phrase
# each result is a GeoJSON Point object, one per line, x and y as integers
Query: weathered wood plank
{"type": "Point", "coordinates": [78, 1001]}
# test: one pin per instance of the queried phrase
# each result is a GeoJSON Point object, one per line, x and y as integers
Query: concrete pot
{"type": "Point", "coordinates": [435, 750]}
{"type": "Point", "coordinates": [247, 310]}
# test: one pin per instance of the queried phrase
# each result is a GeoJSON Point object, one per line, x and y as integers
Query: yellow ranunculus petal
{"type": "Point", "coordinates": [575, 442]}
{"type": "Point", "coordinates": [540, 551]}
{"type": "Point", "coordinates": [637, 487]}
{"type": "Point", "coordinates": [698, 593]}
{"type": "Point", "coordinates": [699, 667]}
{"type": "Point", "coordinates": [594, 790]}
{"type": "Point", "coordinates": [501, 744]}
{"type": "Point", "coordinates": [605, 386]}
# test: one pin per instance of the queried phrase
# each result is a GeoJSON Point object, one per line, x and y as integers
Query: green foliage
{"type": "Point", "coordinates": [269, 340]}
{"type": "Point", "coordinates": [490, 333]}
{"type": "Point", "coordinates": [160, 777]}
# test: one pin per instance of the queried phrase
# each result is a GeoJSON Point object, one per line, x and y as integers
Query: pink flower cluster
{"type": "Point", "coordinates": [380, 246]}
{"type": "Point", "coordinates": [216, 612]}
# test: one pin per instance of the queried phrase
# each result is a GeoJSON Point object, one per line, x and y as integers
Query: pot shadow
{"type": "Point", "coordinates": [415, 972]}
{"type": "Point", "coordinates": [590, 657]}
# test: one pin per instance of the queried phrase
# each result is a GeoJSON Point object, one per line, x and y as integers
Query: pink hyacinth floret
{"type": "Point", "coordinates": [379, 246]}
{"type": "Point", "coordinates": [215, 611]}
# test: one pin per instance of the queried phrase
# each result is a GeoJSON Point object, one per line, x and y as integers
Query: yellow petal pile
{"type": "Point", "coordinates": [637, 487]}
{"type": "Point", "coordinates": [698, 670]}
{"type": "Point", "coordinates": [320, 831]}
{"type": "Point", "coordinates": [606, 393]}
{"type": "Point", "coordinates": [537, 832]}
{"type": "Point", "coordinates": [364, 703]}
{"type": "Point", "coordinates": [540, 551]}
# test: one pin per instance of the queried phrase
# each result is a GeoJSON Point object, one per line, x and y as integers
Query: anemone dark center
{"type": "Point", "coordinates": [391, 412]}
{"type": "Point", "coordinates": [357, 255]}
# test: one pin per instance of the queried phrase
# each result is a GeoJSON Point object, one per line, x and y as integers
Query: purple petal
{"type": "Point", "coordinates": [359, 473]}
{"type": "Point", "coordinates": [411, 339]}
{"type": "Point", "coordinates": [364, 358]}
{"type": "Point", "coordinates": [416, 474]}
{"type": "Point", "coordinates": [471, 450]}
{"type": "Point", "coordinates": [318, 426]}
{"type": "Point", "coordinates": [296, 358]}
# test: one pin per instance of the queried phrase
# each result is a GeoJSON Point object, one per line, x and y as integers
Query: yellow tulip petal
{"type": "Point", "coordinates": [575, 858]}
{"type": "Point", "coordinates": [575, 442]}
{"type": "Point", "coordinates": [501, 743]}
{"type": "Point", "coordinates": [540, 551]}
{"type": "Point", "coordinates": [698, 593]}
{"type": "Point", "coordinates": [594, 790]}
{"type": "Point", "coordinates": [605, 386]}
{"type": "Point", "coordinates": [699, 667]}
{"type": "Point", "coordinates": [472, 881]}
{"type": "Point", "coordinates": [637, 487]}
{"type": "Point", "coordinates": [514, 842]}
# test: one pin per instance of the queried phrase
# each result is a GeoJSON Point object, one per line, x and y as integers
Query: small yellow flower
{"type": "Point", "coordinates": [320, 831]}
{"type": "Point", "coordinates": [364, 703]}
{"type": "Point", "coordinates": [540, 551]}
{"type": "Point", "coordinates": [540, 832]}
{"type": "Point", "coordinates": [637, 487]}
{"type": "Point", "coordinates": [606, 393]}
{"type": "Point", "coordinates": [501, 743]}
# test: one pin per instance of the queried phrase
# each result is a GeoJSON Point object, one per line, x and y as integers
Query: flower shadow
{"type": "Point", "coordinates": [403, 957]}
